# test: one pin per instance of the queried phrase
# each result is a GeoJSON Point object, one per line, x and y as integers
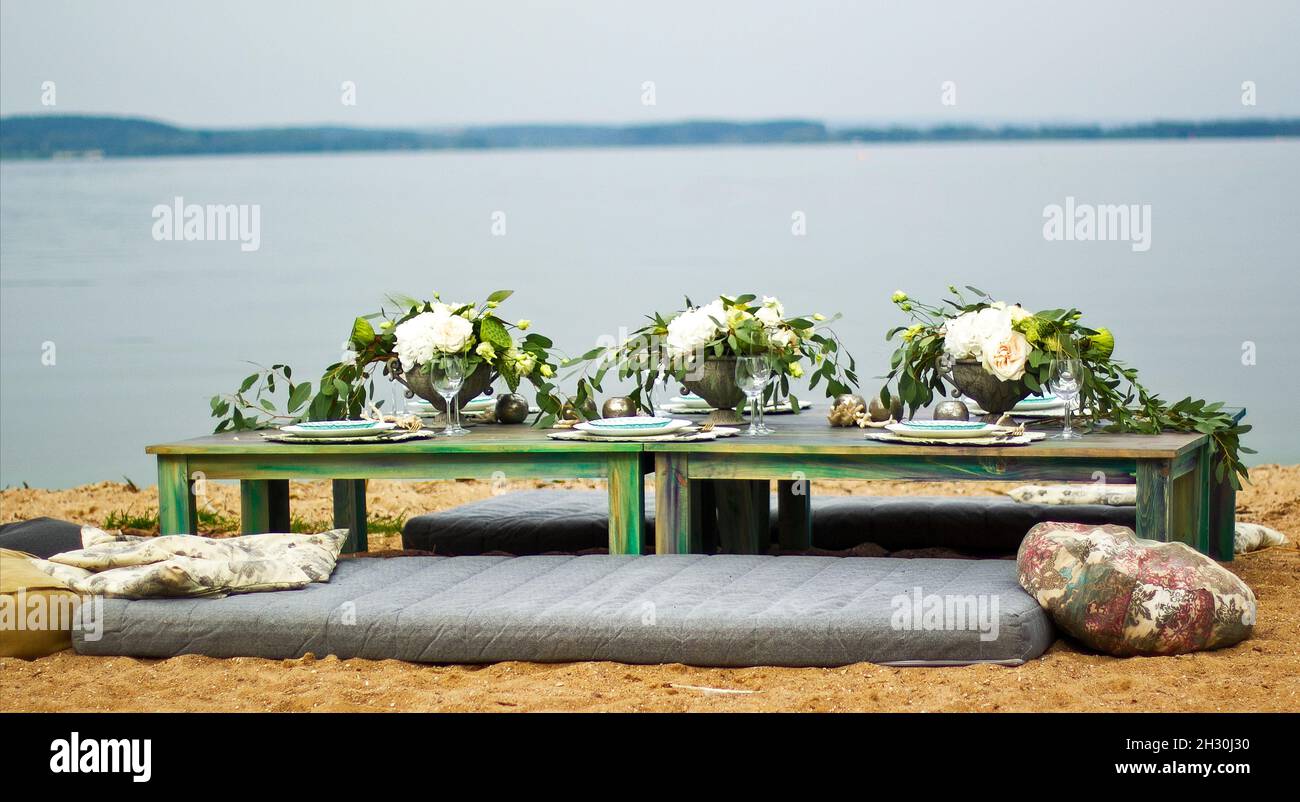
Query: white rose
{"type": "Point", "coordinates": [992, 322]}
{"type": "Point", "coordinates": [451, 334]}
{"type": "Point", "coordinates": [1018, 313]}
{"type": "Point", "coordinates": [770, 302]}
{"type": "Point", "coordinates": [415, 340]}
{"type": "Point", "coordinates": [769, 316]}
{"type": "Point", "coordinates": [693, 328]}
{"type": "Point", "coordinates": [715, 311]}
{"type": "Point", "coordinates": [785, 338]}
{"type": "Point", "coordinates": [1005, 357]}
{"type": "Point", "coordinates": [960, 339]}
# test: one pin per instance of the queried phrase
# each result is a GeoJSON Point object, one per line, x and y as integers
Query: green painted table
{"type": "Point", "coordinates": [1177, 495]}
{"type": "Point", "coordinates": [490, 452]}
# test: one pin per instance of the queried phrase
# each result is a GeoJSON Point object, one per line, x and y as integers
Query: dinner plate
{"type": "Point", "coordinates": [1036, 403]}
{"type": "Point", "coordinates": [947, 429]}
{"type": "Point", "coordinates": [1048, 406]}
{"type": "Point", "coordinates": [338, 428]}
{"type": "Point", "coordinates": [631, 427]}
{"type": "Point", "coordinates": [672, 407]}
{"type": "Point", "coordinates": [689, 401]}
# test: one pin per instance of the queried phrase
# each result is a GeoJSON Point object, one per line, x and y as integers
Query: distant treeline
{"type": "Point", "coordinates": [43, 137]}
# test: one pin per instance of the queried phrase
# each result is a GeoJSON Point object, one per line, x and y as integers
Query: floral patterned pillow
{"type": "Point", "coordinates": [1126, 596]}
{"type": "Point", "coordinates": [185, 565]}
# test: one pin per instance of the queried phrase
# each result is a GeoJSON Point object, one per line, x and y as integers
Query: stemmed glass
{"type": "Point", "coordinates": [762, 404]}
{"type": "Point", "coordinates": [1064, 379]}
{"type": "Point", "coordinates": [399, 398]}
{"type": "Point", "coordinates": [752, 375]}
{"type": "Point", "coordinates": [447, 374]}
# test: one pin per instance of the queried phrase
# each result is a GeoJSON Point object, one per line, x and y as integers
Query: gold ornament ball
{"type": "Point", "coordinates": [618, 407]}
{"type": "Point", "coordinates": [569, 412]}
{"type": "Point", "coordinates": [878, 412]}
{"type": "Point", "coordinates": [511, 408]}
{"type": "Point", "coordinates": [952, 409]}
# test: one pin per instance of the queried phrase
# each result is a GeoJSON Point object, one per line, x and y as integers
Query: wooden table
{"type": "Point", "coordinates": [489, 452]}
{"type": "Point", "coordinates": [1177, 496]}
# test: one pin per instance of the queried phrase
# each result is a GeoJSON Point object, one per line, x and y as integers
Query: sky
{"type": "Point", "coordinates": [239, 63]}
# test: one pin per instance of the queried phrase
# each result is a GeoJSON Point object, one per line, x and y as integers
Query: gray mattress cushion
{"type": "Point", "coordinates": [540, 521]}
{"type": "Point", "coordinates": [527, 522]}
{"type": "Point", "coordinates": [723, 610]}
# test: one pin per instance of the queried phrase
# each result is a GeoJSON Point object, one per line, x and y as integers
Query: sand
{"type": "Point", "coordinates": [1261, 674]}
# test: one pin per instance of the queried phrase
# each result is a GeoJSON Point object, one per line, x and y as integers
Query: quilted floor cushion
{"type": "Point", "coordinates": [538, 521]}
{"type": "Point", "coordinates": [724, 610]}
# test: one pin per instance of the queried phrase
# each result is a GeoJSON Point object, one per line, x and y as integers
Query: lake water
{"type": "Point", "coordinates": [144, 332]}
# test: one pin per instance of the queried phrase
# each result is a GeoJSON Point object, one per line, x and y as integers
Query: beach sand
{"type": "Point", "coordinates": [1261, 674]}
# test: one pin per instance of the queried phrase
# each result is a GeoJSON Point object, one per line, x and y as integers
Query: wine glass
{"type": "Point", "coordinates": [762, 403]}
{"type": "Point", "coordinates": [752, 375]}
{"type": "Point", "coordinates": [1064, 379]}
{"type": "Point", "coordinates": [399, 398]}
{"type": "Point", "coordinates": [447, 374]}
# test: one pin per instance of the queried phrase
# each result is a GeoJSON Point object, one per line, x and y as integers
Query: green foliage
{"type": "Point", "coordinates": [269, 396]}
{"type": "Point", "coordinates": [492, 330]}
{"type": "Point", "coordinates": [1110, 392]}
{"type": "Point", "coordinates": [789, 341]}
{"type": "Point", "coordinates": [120, 519]}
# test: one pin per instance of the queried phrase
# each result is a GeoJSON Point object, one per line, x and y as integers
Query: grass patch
{"type": "Point", "coordinates": [127, 520]}
{"type": "Point", "coordinates": [217, 522]}
{"type": "Point", "coordinates": [375, 525]}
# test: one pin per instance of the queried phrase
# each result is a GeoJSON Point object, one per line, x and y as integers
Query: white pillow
{"type": "Point", "coordinates": [1253, 537]}
{"type": "Point", "coordinates": [1112, 495]}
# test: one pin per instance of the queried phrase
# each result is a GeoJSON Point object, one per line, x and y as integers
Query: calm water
{"type": "Point", "coordinates": [145, 332]}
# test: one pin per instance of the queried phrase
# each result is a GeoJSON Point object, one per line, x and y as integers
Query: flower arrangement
{"type": "Point", "coordinates": [411, 337]}
{"type": "Point", "coordinates": [680, 343]}
{"type": "Point", "coordinates": [434, 328]}
{"type": "Point", "coordinates": [1016, 345]}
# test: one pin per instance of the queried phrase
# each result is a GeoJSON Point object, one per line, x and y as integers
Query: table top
{"type": "Point", "coordinates": [483, 438]}
{"type": "Point", "coordinates": [807, 433]}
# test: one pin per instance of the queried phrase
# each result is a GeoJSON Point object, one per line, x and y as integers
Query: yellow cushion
{"type": "Point", "coordinates": [30, 597]}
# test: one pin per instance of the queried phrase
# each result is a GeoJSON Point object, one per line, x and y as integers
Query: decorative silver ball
{"type": "Point", "coordinates": [878, 412]}
{"type": "Point", "coordinates": [618, 407]}
{"type": "Point", "coordinates": [952, 409]}
{"type": "Point", "coordinates": [569, 412]}
{"type": "Point", "coordinates": [511, 408]}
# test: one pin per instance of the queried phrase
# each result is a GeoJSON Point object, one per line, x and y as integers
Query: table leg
{"type": "Point", "coordinates": [626, 503]}
{"type": "Point", "coordinates": [1202, 487]}
{"type": "Point", "coordinates": [177, 510]}
{"type": "Point", "coordinates": [794, 514]}
{"type": "Point", "coordinates": [704, 517]}
{"type": "Point", "coordinates": [350, 512]}
{"type": "Point", "coordinates": [744, 515]}
{"type": "Point", "coordinates": [674, 524]}
{"type": "Point", "coordinates": [263, 506]}
{"type": "Point", "coordinates": [1221, 500]}
{"type": "Point", "coordinates": [1153, 503]}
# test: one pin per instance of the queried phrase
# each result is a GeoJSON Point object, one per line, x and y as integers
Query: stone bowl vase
{"type": "Point", "coordinates": [418, 382]}
{"type": "Point", "coordinates": [994, 395]}
{"type": "Point", "coordinates": [714, 380]}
